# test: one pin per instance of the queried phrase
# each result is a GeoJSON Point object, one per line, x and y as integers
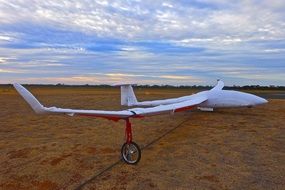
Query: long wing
{"type": "Point", "coordinates": [40, 109]}
{"type": "Point", "coordinates": [128, 97]}
{"type": "Point", "coordinates": [113, 115]}
{"type": "Point", "coordinates": [170, 108]}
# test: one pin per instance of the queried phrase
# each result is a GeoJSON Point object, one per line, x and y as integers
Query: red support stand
{"type": "Point", "coordinates": [130, 151]}
{"type": "Point", "coordinates": [128, 131]}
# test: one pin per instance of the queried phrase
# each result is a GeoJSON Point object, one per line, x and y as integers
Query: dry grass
{"type": "Point", "coordinates": [226, 149]}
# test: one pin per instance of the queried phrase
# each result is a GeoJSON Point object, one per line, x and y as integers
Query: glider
{"type": "Point", "coordinates": [130, 151]}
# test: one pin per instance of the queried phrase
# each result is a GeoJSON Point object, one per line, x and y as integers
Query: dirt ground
{"type": "Point", "coordinates": [226, 149]}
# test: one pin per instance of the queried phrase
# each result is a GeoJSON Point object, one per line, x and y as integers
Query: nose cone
{"type": "Point", "coordinates": [259, 101]}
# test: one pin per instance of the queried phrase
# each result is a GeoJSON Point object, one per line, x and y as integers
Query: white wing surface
{"type": "Point", "coordinates": [40, 109]}
{"type": "Point", "coordinates": [113, 115]}
{"type": "Point", "coordinates": [170, 108]}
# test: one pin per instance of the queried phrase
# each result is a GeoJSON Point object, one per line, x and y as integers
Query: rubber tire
{"type": "Point", "coordinates": [139, 153]}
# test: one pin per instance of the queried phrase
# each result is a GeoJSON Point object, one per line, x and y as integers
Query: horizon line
{"type": "Point", "coordinates": [150, 85]}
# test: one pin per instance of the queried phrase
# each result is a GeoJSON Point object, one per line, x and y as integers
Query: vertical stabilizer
{"type": "Point", "coordinates": [219, 86]}
{"type": "Point", "coordinates": [128, 97]}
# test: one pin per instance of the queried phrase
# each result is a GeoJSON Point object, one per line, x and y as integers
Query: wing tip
{"type": "Point", "coordinates": [16, 84]}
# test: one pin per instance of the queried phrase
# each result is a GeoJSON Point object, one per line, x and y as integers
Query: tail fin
{"type": "Point", "coordinates": [128, 97]}
{"type": "Point", "coordinates": [219, 86]}
{"type": "Point", "coordinates": [30, 99]}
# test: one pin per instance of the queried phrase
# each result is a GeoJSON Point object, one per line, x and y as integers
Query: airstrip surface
{"type": "Point", "coordinates": [226, 149]}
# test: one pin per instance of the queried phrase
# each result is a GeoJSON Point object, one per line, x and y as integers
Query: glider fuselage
{"type": "Point", "coordinates": [216, 98]}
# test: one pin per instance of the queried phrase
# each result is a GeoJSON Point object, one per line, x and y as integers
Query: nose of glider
{"type": "Point", "coordinates": [259, 101]}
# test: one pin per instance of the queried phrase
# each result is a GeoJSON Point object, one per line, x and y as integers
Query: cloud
{"type": "Point", "coordinates": [159, 41]}
{"type": "Point", "coordinates": [274, 50]}
{"type": "Point", "coordinates": [161, 19]}
{"type": "Point", "coordinates": [11, 71]}
{"type": "Point", "coordinates": [108, 78]}
{"type": "Point", "coordinates": [175, 77]}
{"type": "Point", "coordinates": [5, 38]}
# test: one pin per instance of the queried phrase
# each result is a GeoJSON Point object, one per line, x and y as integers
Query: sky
{"type": "Point", "coordinates": [175, 42]}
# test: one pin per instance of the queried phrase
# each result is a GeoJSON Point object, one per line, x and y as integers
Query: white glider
{"type": "Point", "coordinates": [216, 98]}
{"type": "Point", "coordinates": [130, 152]}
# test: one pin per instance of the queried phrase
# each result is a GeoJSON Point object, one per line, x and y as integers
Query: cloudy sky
{"type": "Point", "coordinates": [144, 41]}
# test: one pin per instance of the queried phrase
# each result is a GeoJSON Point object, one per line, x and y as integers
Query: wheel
{"type": "Point", "coordinates": [131, 153]}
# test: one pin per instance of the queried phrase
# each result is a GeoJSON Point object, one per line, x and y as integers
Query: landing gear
{"type": "Point", "coordinates": [130, 152]}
